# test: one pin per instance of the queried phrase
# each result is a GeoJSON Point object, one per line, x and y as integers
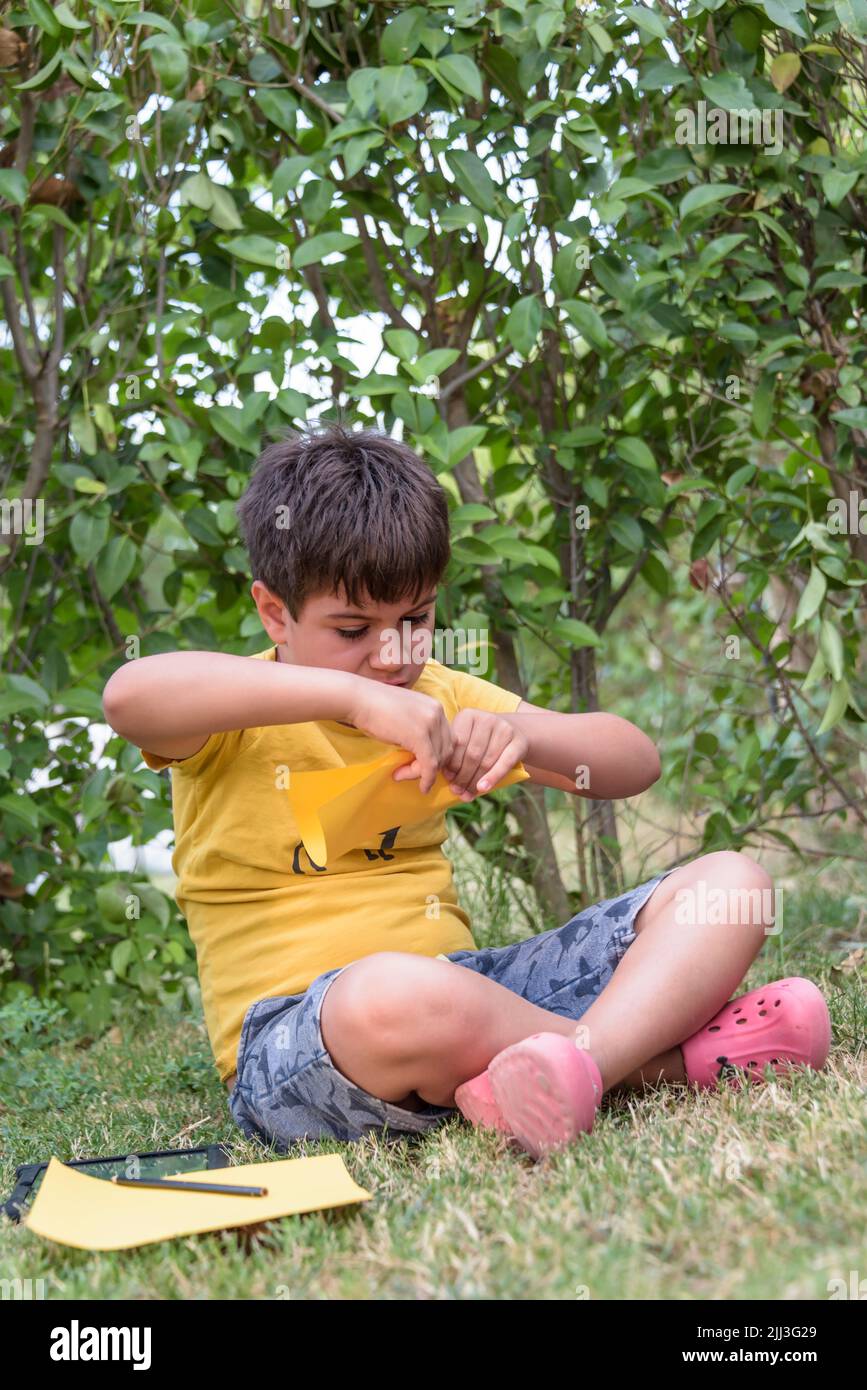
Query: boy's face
{"type": "Point", "coordinates": [387, 642]}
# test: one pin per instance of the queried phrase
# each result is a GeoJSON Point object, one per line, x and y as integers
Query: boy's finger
{"type": "Point", "coordinates": [429, 766]}
{"type": "Point", "coordinates": [504, 763]}
{"type": "Point", "coordinates": [406, 771]}
{"type": "Point", "coordinates": [476, 757]}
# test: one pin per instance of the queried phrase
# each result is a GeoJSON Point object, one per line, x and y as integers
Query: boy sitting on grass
{"type": "Point", "coordinates": [335, 1001]}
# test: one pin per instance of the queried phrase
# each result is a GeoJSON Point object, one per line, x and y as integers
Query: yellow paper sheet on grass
{"type": "Point", "coordinates": [344, 807]}
{"type": "Point", "coordinates": [96, 1214]}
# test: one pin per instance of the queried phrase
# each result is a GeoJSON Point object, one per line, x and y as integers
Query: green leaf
{"type": "Point", "coordinates": [601, 38]}
{"type": "Point", "coordinates": [636, 452]}
{"type": "Point", "coordinates": [747, 28]}
{"type": "Point", "coordinates": [213, 199]}
{"type": "Point", "coordinates": [524, 323]}
{"type": "Point", "coordinates": [202, 525]}
{"type": "Point", "coordinates": [473, 179]}
{"type": "Point", "coordinates": [287, 175]}
{"type": "Point", "coordinates": [153, 21]}
{"type": "Point", "coordinates": [355, 152]}
{"type": "Point", "coordinates": [13, 186]}
{"type": "Point", "coordinates": [228, 422]}
{"type": "Point", "coordinates": [739, 333]}
{"type": "Point", "coordinates": [77, 699]}
{"type": "Point", "coordinates": [402, 35]}
{"type": "Point", "coordinates": [656, 575]}
{"type": "Point", "coordinates": [223, 212]}
{"type": "Point", "coordinates": [661, 73]}
{"type": "Point", "coordinates": [281, 108]}
{"type": "Point", "coordinates": [831, 647]}
{"type": "Point", "coordinates": [782, 14]}
{"type": "Point", "coordinates": [626, 531]}
{"type": "Point", "coordinates": [736, 482]}
{"type": "Point", "coordinates": [647, 20]}
{"type": "Point", "coordinates": [546, 26]}
{"type": "Point", "coordinates": [316, 248]}
{"type": "Point", "coordinates": [852, 14]}
{"type": "Point", "coordinates": [115, 565]}
{"type": "Point", "coordinates": [432, 364]}
{"type": "Point", "coordinates": [811, 598]}
{"type": "Point", "coordinates": [588, 322]}
{"type": "Point", "coordinates": [44, 16]}
{"type": "Point", "coordinates": [403, 343]}
{"type": "Point", "coordinates": [121, 956]}
{"type": "Point", "coordinates": [256, 249]}
{"type": "Point", "coordinates": [22, 807]}
{"type": "Point", "coordinates": [836, 184]}
{"type": "Point", "coordinates": [169, 62]}
{"type": "Point", "coordinates": [763, 405]}
{"type": "Point", "coordinates": [576, 633]}
{"type": "Point", "coordinates": [83, 431]}
{"type": "Point", "coordinates": [727, 90]}
{"type": "Point", "coordinates": [462, 441]}
{"type": "Point", "coordinates": [469, 550]}
{"type": "Point", "coordinates": [41, 77]}
{"type": "Point", "coordinates": [361, 85]}
{"type": "Point", "coordinates": [84, 483]}
{"type": "Point", "coordinates": [461, 72]}
{"type": "Point", "coordinates": [837, 706]}
{"type": "Point", "coordinates": [401, 92]}
{"type": "Point", "coordinates": [856, 418]}
{"type": "Point", "coordinates": [64, 15]}
{"type": "Point", "coordinates": [704, 195]}
{"type": "Point", "coordinates": [25, 685]}
{"type": "Point", "coordinates": [88, 534]}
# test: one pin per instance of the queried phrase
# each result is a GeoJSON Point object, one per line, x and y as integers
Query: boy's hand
{"type": "Point", "coordinates": [408, 718]}
{"type": "Point", "coordinates": [484, 748]}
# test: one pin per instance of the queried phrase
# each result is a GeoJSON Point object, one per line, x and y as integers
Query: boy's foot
{"type": "Point", "coordinates": [542, 1091]}
{"type": "Point", "coordinates": [782, 1025]}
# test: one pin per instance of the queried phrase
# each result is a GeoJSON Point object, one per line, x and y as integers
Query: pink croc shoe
{"type": "Point", "coordinates": [543, 1091]}
{"type": "Point", "coordinates": [475, 1100]}
{"type": "Point", "coordinates": [783, 1024]}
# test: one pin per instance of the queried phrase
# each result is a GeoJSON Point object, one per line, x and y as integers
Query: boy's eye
{"type": "Point", "coordinates": [351, 633]}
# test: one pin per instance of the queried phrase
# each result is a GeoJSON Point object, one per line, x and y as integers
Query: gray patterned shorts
{"type": "Point", "coordinates": [289, 1089]}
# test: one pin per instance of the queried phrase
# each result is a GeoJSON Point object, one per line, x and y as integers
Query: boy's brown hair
{"type": "Point", "coordinates": [333, 506]}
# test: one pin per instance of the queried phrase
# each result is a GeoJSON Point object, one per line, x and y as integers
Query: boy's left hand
{"type": "Point", "coordinates": [485, 747]}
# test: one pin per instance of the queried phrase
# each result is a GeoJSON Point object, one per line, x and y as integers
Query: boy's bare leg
{"type": "Point", "coordinates": [674, 977]}
{"type": "Point", "coordinates": [678, 972]}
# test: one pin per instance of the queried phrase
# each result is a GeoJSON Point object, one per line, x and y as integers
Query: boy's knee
{"type": "Point", "coordinates": [736, 868]}
{"type": "Point", "coordinates": [382, 1001]}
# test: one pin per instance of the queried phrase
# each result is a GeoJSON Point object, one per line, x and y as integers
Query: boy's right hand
{"type": "Point", "coordinates": [408, 719]}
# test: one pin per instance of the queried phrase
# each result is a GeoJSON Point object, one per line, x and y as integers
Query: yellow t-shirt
{"type": "Point", "coordinates": [264, 919]}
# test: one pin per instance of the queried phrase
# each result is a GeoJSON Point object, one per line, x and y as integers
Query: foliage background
{"type": "Point", "coordinates": [207, 209]}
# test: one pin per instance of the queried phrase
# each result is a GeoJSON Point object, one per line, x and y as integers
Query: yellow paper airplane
{"type": "Point", "coordinates": [344, 807]}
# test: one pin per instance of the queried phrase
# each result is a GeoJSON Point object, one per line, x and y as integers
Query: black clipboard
{"type": "Point", "coordinates": [29, 1175]}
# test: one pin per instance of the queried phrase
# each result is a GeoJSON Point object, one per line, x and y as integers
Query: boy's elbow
{"type": "Point", "coordinates": [115, 701]}
{"type": "Point", "coordinates": [652, 766]}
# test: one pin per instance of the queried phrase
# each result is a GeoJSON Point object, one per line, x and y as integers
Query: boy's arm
{"type": "Point", "coordinates": [607, 754]}
{"type": "Point", "coordinates": [171, 704]}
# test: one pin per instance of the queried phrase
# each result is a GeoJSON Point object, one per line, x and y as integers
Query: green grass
{"type": "Point", "coordinates": [675, 1194]}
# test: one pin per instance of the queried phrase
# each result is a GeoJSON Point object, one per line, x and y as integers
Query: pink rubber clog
{"type": "Point", "coordinates": [542, 1091]}
{"type": "Point", "coordinates": [784, 1024]}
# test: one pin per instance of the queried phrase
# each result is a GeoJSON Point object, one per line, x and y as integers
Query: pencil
{"type": "Point", "coordinates": [228, 1188]}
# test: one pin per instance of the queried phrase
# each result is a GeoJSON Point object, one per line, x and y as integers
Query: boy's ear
{"type": "Point", "coordinates": [272, 610]}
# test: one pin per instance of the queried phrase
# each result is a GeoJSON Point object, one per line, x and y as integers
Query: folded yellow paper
{"type": "Point", "coordinates": [343, 807]}
{"type": "Point", "coordinates": [89, 1213]}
